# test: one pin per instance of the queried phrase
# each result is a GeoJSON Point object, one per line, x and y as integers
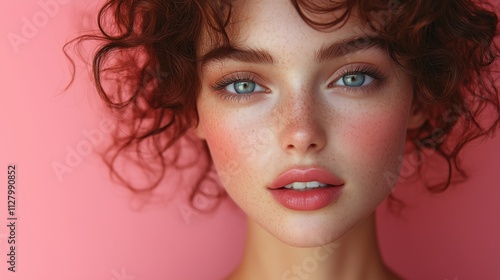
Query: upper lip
{"type": "Point", "coordinates": [308, 174]}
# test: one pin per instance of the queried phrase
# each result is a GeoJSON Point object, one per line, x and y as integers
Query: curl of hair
{"type": "Point", "coordinates": [149, 50]}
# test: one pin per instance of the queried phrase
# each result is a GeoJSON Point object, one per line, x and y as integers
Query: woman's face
{"type": "Point", "coordinates": [318, 106]}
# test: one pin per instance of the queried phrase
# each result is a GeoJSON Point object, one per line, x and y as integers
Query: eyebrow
{"type": "Point", "coordinates": [329, 52]}
{"type": "Point", "coordinates": [349, 46]}
{"type": "Point", "coordinates": [241, 55]}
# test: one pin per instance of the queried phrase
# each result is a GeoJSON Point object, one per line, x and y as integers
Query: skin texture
{"type": "Point", "coordinates": [301, 115]}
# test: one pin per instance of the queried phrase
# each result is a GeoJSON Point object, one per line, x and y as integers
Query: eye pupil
{"type": "Point", "coordinates": [354, 80]}
{"type": "Point", "coordinates": [244, 87]}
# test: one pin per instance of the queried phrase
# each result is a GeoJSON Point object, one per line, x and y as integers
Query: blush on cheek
{"type": "Point", "coordinates": [224, 151]}
{"type": "Point", "coordinates": [232, 149]}
{"type": "Point", "coordinates": [373, 143]}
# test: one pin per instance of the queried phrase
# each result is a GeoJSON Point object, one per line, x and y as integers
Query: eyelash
{"type": "Point", "coordinates": [220, 86]}
{"type": "Point", "coordinates": [371, 71]}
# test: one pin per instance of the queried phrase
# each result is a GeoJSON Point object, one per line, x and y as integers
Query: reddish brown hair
{"type": "Point", "coordinates": [146, 71]}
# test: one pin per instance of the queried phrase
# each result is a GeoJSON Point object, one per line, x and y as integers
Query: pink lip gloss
{"type": "Point", "coordinates": [307, 199]}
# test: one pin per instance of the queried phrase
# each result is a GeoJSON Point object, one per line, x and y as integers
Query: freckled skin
{"type": "Point", "coordinates": [355, 134]}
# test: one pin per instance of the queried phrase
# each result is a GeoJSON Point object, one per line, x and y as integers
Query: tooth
{"type": "Point", "coordinates": [304, 185]}
{"type": "Point", "coordinates": [313, 184]}
{"type": "Point", "coordinates": [299, 185]}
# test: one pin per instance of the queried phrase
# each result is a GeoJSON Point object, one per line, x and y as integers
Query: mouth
{"type": "Point", "coordinates": [304, 186]}
{"type": "Point", "coordinates": [306, 189]}
{"type": "Point", "coordinates": [305, 178]}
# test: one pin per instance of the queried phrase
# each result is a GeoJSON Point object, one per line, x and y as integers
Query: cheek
{"type": "Point", "coordinates": [223, 144]}
{"type": "Point", "coordinates": [373, 144]}
{"type": "Point", "coordinates": [237, 145]}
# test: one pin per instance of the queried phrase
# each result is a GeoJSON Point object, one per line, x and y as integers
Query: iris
{"type": "Point", "coordinates": [354, 80]}
{"type": "Point", "coordinates": [244, 87]}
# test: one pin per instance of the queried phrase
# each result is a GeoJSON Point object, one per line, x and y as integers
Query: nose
{"type": "Point", "coordinates": [301, 124]}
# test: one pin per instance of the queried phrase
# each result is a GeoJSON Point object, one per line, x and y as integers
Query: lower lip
{"type": "Point", "coordinates": [308, 200]}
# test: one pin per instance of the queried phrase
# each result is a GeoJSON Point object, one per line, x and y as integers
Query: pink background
{"type": "Point", "coordinates": [82, 226]}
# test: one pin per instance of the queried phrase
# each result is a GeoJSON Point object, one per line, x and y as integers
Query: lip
{"type": "Point", "coordinates": [309, 199]}
{"type": "Point", "coordinates": [305, 175]}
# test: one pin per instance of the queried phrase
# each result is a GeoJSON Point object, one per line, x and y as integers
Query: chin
{"type": "Point", "coordinates": [309, 240]}
{"type": "Point", "coordinates": [311, 232]}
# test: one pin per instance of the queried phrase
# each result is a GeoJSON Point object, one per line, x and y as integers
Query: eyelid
{"type": "Point", "coordinates": [222, 83]}
{"type": "Point", "coordinates": [368, 80]}
{"type": "Point", "coordinates": [367, 69]}
{"type": "Point", "coordinates": [226, 80]}
{"type": "Point", "coordinates": [258, 88]}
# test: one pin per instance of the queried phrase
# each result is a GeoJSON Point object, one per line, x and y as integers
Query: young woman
{"type": "Point", "coordinates": [305, 109]}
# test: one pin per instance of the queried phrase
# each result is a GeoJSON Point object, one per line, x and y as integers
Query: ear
{"type": "Point", "coordinates": [417, 116]}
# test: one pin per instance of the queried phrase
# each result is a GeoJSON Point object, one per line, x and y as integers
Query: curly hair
{"type": "Point", "coordinates": [146, 70]}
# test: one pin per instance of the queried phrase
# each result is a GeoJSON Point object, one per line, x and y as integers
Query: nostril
{"type": "Point", "coordinates": [303, 138]}
{"type": "Point", "coordinates": [311, 146]}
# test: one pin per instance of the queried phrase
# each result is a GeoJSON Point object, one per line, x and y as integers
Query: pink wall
{"type": "Point", "coordinates": [81, 226]}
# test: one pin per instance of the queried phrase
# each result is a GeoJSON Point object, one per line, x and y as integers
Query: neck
{"type": "Point", "coordinates": [354, 256]}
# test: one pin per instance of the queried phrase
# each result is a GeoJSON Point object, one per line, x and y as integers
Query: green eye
{"type": "Point", "coordinates": [354, 80]}
{"type": "Point", "coordinates": [244, 87]}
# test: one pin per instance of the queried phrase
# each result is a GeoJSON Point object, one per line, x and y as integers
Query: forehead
{"type": "Point", "coordinates": [277, 27]}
